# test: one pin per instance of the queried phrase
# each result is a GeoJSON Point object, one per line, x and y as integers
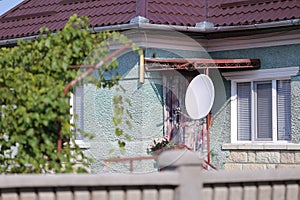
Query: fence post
{"type": "Point", "coordinates": [188, 164]}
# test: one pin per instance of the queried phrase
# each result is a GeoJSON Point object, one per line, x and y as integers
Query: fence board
{"type": "Point", "coordinates": [99, 194]}
{"type": "Point", "coordinates": [279, 191]}
{"type": "Point", "coordinates": [292, 192]}
{"type": "Point", "coordinates": [117, 194]}
{"type": "Point", "coordinates": [9, 194]}
{"type": "Point", "coordinates": [28, 194]}
{"type": "Point", "coordinates": [134, 194]}
{"type": "Point", "coordinates": [264, 192]}
{"type": "Point", "coordinates": [81, 193]}
{"type": "Point", "coordinates": [166, 194]}
{"type": "Point", "coordinates": [64, 194]}
{"type": "Point", "coordinates": [235, 192]}
{"type": "Point", "coordinates": [150, 194]}
{"type": "Point", "coordinates": [220, 193]}
{"type": "Point", "coordinates": [250, 192]}
{"type": "Point", "coordinates": [207, 192]}
{"type": "Point", "coordinates": [46, 194]}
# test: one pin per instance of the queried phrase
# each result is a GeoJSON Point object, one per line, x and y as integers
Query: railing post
{"type": "Point", "coordinates": [188, 164]}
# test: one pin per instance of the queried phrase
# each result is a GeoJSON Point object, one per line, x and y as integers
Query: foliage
{"type": "Point", "coordinates": [33, 75]}
{"type": "Point", "coordinates": [159, 144]}
{"type": "Point", "coordinates": [121, 105]}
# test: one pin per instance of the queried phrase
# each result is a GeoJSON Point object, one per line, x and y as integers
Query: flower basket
{"type": "Point", "coordinates": [163, 144]}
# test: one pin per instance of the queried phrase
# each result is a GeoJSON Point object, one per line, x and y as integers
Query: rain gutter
{"type": "Point", "coordinates": [202, 27]}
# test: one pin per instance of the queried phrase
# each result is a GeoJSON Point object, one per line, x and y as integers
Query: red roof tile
{"type": "Point", "coordinates": [176, 12]}
{"type": "Point", "coordinates": [243, 12]}
{"type": "Point", "coordinates": [29, 16]}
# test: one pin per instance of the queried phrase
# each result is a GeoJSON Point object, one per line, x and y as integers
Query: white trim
{"type": "Point", "coordinates": [253, 119]}
{"type": "Point", "coordinates": [82, 144]}
{"type": "Point", "coordinates": [274, 110]}
{"type": "Point", "coordinates": [251, 76]}
{"type": "Point", "coordinates": [71, 101]}
{"type": "Point", "coordinates": [233, 112]}
{"type": "Point", "coordinates": [262, 74]}
{"type": "Point", "coordinates": [262, 146]}
{"type": "Point", "coordinates": [163, 39]}
{"type": "Point", "coordinates": [255, 41]}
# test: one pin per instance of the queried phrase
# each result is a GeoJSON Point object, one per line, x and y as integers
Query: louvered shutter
{"type": "Point", "coordinates": [244, 111]}
{"type": "Point", "coordinates": [79, 120]}
{"type": "Point", "coordinates": [264, 110]}
{"type": "Point", "coordinates": [284, 109]}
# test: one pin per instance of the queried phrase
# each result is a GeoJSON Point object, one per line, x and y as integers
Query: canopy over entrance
{"type": "Point", "coordinates": [164, 64]}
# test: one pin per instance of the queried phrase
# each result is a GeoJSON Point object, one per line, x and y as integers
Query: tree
{"type": "Point", "coordinates": [34, 108]}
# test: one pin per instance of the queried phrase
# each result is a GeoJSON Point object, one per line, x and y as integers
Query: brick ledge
{"type": "Point", "coordinates": [289, 146]}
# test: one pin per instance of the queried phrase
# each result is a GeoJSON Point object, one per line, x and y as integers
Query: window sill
{"type": "Point", "coordinates": [263, 146]}
{"type": "Point", "coordinates": [82, 144]}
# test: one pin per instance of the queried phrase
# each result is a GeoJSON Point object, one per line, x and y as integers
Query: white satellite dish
{"type": "Point", "coordinates": [199, 97]}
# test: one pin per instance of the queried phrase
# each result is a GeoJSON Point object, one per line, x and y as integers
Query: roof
{"type": "Point", "coordinates": [27, 18]}
{"type": "Point", "coordinates": [244, 12]}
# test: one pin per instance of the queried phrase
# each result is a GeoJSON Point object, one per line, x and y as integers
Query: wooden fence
{"type": "Point", "coordinates": [181, 178]}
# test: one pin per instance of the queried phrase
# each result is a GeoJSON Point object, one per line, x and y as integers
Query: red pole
{"type": "Point", "coordinates": [59, 140]}
{"type": "Point", "coordinates": [208, 118]}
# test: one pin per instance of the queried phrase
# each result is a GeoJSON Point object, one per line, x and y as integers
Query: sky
{"type": "Point", "coordinates": [6, 5]}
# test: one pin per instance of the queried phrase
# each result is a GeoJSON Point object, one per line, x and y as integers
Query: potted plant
{"type": "Point", "coordinates": [161, 144]}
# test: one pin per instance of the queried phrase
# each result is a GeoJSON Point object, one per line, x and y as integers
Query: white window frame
{"type": "Point", "coordinates": [82, 144]}
{"type": "Point", "coordinates": [251, 76]}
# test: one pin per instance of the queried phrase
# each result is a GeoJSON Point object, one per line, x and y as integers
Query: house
{"type": "Point", "coordinates": [249, 48]}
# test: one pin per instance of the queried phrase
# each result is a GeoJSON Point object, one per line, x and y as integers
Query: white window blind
{"type": "Point", "coordinates": [263, 110]}
{"type": "Point", "coordinates": [244, 111]}
{"type": "Point", "coordinates": [284, 109]}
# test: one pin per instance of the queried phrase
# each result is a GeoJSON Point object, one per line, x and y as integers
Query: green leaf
{"type": "Point", "coordinates": [128, 137]}
{"type": "Point", "coordinates": [118, 132]}
{"type": "Point", "coordinates": [121, 144]}
{"type": "Point", "coordinates": [33, 75]}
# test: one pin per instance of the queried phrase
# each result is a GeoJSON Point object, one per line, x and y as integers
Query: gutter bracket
{"type": "Point", "coordinates": [139, 20]}
{"type": "Point", "coordinates": [205, 25]}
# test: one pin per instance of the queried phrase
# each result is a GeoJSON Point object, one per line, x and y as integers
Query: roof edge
{"type": "Point", "coordinates": [201, 27]}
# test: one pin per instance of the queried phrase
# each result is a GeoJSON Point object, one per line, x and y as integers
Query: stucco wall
{"type": "Point", "coordinates": [270, 57]}
{"type": "Point", "coordinates": [146, 112]}
{"type": "Point", "coordinates": [146, 109]}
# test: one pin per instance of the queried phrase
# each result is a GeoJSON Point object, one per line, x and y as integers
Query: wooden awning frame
{"type": "Point", "coordinates": [190, 64]}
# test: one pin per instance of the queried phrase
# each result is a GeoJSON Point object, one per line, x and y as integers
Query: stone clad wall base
{"type": "Point", "coordinates": [262, 159]}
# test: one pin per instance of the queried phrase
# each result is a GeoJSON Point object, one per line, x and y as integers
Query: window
{"type": "Point", "coordinates": [261, 115]}
{"type": "Point", "coordinates": [76, 110]}
{"type": "Point", "coordinates": [261, 105]}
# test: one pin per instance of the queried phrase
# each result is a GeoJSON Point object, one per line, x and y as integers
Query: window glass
{"type": "Point", "coordinates": [255, 115]}
{"type": "Point", "coordinates": [244, 111]}
{"type": "Point", "coordinates": [79, 111]}
{"type": "Point", "coordinates": [284, 109]}
{"type": "Point", "coordinates": [263, 109]}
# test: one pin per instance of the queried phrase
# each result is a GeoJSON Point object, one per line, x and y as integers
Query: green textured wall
{"type": "Point", "coordinates": [147, 112]}
{"type": "Point", "coordinates": [147, 101]}
{"type": "Point", "coordinates": [270, 57]}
